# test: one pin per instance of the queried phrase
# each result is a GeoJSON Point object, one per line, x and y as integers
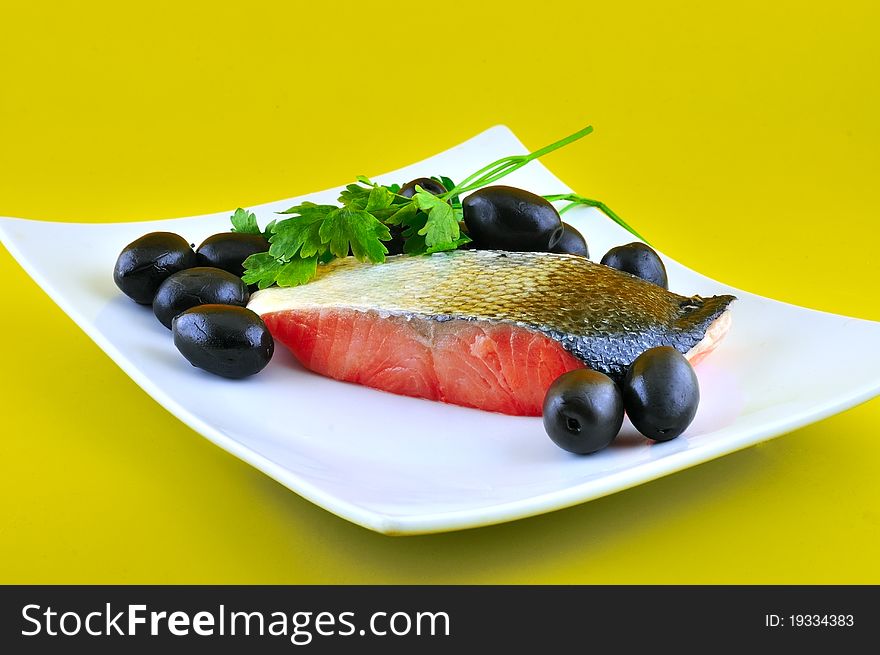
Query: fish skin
{"type": "Point", "coordinates": [604, 317]}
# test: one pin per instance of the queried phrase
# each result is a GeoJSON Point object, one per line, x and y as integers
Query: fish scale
{"type": "Point", "coordinates": [602, 316]}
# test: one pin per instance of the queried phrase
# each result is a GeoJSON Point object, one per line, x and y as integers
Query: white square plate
{"type": "Point", "coordinates": [402, 465]}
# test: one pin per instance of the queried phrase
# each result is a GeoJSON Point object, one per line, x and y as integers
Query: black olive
{"type": "Point", "coordinates": [225, 340]}
{"type": "Point", "coordinates": [505, 218]}
{"type": "Point", "coordinates": [640, 260]}
{"type": "Point", "coordinates": [583, 411]}
{"type": "Point", "coordinates": [572, 242]}
{"type": "Point", "coordinates": [228, 250]}
{"type": "Point", "coordinates": [661, 393]}
{"type": "Point", "coordinates": [408, 190]}
{"type": "Point", "coordinates": [201, 285]}
{"type": "Point", "coordinates": [145, 263]}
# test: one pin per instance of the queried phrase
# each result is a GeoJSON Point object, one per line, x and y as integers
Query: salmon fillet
{"type": "Point", "coordinates": [482, 329]}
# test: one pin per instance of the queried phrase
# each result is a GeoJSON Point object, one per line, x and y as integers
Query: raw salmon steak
{"type": "Point", "coordinates": [482, 328]}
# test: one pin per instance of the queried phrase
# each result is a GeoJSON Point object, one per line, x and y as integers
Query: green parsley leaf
{"type": "Point", "coordinates": [413, 220]}
{"type": "Point", "coordinates": [300, 234]}
{"type": "Point", "coordinates": [403, 215]}
{"type": "Point", "coordinates": [415, 245]}
{"type": "Point", "coordinates": [297, 271]}
{"type": "Point", "coordinates": [305, 208]}
{"type": "Point", "coordinates": [441, 228]}
{"type": "Point", "coordinates": [358, 230]}
{"type": "Point", "coordinates": [379, 198]}
{"type": "Point", "coordinates": [245, 222]}
{"type": "Point", "coordinates": [270, 229]}
{"type": "Point", "coordinates": [454, 245]}
{"type": "Point", "coordinates": [447, 183]}
{"type": "Point", "coordinates": [260, 269]}
{"type": "Point", "coordinates": [355, 196]}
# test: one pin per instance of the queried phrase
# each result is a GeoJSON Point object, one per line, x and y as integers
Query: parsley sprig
{"type": "Point", "coordinates": [367, 213]}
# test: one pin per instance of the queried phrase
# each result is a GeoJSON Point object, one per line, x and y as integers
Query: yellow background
{"type": "Point", "coordinates": [743, 141]}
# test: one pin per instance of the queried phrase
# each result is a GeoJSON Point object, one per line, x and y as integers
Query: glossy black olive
{"type": "Point", "coordinates": [640, 260]}
{"type": "Point", "coordinates": [228, 250]}
{"type": "Point", "coordinates": [225, 340]}
{"type": "Point", "coordinates": [572, 242]}
{"type": "Point", "coordinates": [661, 393]}
{"type": "Point", "coordinates": [408, 190]}
{"type": "Point", "coordinates": [146, 262]}
{"type": "Point", "coordinates": [505, 218]}
{"type": "Point", "coordinates": [201, 285]}
{"type": "Point", "coordinates": [583, 411]}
